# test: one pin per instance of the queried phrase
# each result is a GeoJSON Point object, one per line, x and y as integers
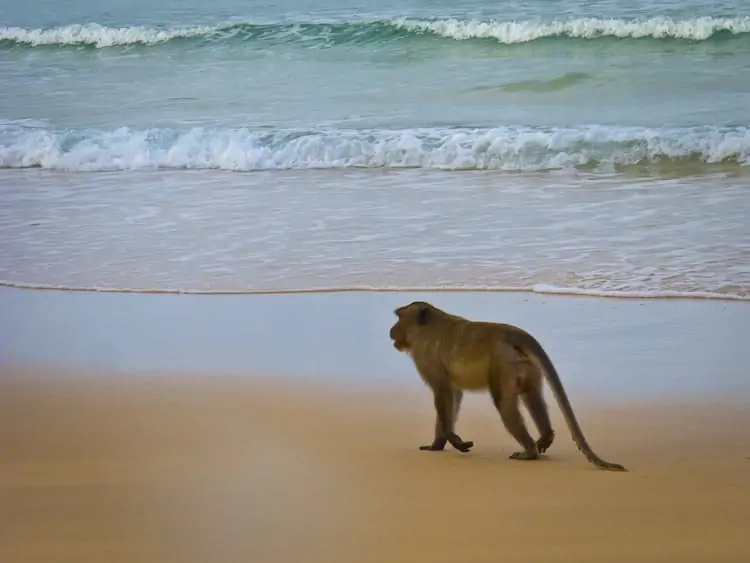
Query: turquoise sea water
{"type": "Point", "coordinates": [590, 146]}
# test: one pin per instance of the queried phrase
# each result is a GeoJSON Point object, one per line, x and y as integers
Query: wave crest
{"type": "Point", "coordinates": [336, 33]}
{"type": "Point", "coordinates": [501, 148]}
{"type": "Point", "coordinates": [96, 35]}
{"type": "Point", "coordinates": [510, 32]}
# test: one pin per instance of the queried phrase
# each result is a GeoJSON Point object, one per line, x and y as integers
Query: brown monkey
{"type": "Point", "coordinates": [452, 354]}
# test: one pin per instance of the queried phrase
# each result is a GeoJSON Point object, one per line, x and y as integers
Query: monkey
{"type": "Point", "coordinates": [452, 354]}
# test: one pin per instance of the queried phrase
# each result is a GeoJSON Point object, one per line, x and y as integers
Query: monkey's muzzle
{"type": "Point", "coordinates": [398, 342]}
{"type": "Point", "coordinates": [400, 345]}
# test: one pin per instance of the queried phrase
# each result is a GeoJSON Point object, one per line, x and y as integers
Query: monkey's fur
{"type": "Point", "coordinates": [453, 354]}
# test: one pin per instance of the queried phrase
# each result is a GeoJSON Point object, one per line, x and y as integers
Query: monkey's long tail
{"type": "Point", "coordinates": [538, 355]}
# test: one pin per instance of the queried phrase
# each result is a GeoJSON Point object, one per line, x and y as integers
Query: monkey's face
{"type": "Point", "coordinates": [410, 318]}
{"type": "Point", "coordinates": [398, 335]}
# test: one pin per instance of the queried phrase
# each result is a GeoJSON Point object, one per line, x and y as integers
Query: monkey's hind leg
{"type": "Point", "coordinates": [534, 401]}
{"type": "Point", "coordinates": [505, 398]}
{"type": "Point", "coordinates": [440, 441]}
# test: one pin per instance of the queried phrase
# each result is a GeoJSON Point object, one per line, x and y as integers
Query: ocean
{"type": "Point", "coordinates": [581, 146]}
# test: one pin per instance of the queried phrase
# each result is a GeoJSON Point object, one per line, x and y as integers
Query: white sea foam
{"type": "Point", "coordinates": [587, 28]}
{"type": "Point", "coordinates": [502, 148]}
{"type": "Point", "coordinates": [212, 232]}
{"type": "Point", "coordinates": [509, 32]}
{"type": "Point", "coordinates": [99, 35]}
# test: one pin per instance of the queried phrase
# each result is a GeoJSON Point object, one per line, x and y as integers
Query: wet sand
{"type": "Point", "coordinates": [247, 463]}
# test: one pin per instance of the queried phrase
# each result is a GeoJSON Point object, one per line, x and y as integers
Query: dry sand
{"type": "Point", "coordinates": [113, 468]}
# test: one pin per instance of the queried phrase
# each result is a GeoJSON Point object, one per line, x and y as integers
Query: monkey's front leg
{"type": "Point", "coordinates": [440, 441]}
{"type": "Point", "coordinates": [447, 404]}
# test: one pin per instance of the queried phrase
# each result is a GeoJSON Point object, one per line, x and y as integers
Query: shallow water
{"type": "Point", "coordinates": [609, 349]}
{"type": "Point", "coordinates": [212, 231]}
{"type": "Point", "coordinates": [551, 145]}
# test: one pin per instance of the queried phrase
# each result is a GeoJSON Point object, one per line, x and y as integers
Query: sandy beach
{"type": "Point", "coordinates": [211, 210]}
{"type": "Point", "coordinates": [198, 434]}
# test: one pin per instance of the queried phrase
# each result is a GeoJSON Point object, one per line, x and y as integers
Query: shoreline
{"type": "Point", "coordinates": [540, 289]}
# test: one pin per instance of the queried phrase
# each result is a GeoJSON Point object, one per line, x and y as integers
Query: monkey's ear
{"type": "Point", "coordinates": [424, 316]}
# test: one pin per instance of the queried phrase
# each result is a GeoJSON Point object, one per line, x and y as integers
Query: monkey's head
{"type": "Point", "coordinates": [411, 318]}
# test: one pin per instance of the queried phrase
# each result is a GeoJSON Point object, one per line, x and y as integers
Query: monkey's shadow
{"type": "Point", "coordinates": [494, 455]}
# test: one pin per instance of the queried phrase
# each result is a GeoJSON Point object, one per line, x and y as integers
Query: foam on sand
{"type": "Point", "coordinates": [538, 288]}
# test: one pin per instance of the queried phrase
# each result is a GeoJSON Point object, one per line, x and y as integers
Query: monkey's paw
{"type": "Point", "coordinates": [464, 446]}
{"type": "Point", "coordinates": [456, 441]}
{"type": "Point", "coordinates": [544, 443]}
{"type": "Point", "coordinates": [433, 448]}
{"type": "Point", "coordinates": [438, 445]}
{"type": "Point", "coordinates": [524, 455]}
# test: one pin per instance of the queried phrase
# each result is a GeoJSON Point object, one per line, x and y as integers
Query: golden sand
{"type": "Point", "coordinates": [112, 468]}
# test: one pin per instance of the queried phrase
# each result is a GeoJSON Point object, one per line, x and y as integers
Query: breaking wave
{"type": "Point", "coordinates": [339, 33]}
{"type": "Point", "coordinates": [696, 29]}
{"type": "Point", "coordinates": [244, 149]}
